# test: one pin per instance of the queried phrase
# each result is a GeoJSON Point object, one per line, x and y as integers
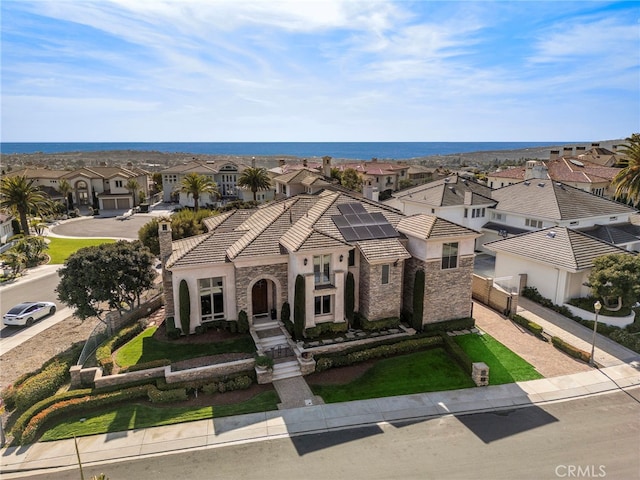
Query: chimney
{"type": "Point", "coordinates": [468, 196]}
{"type": "Point", "coordinates": [326, 166]}
{"type": "Point", "coordinates": [567, 152]}
{"type": "Point", "coordinates": [281, 163]}
{"type": "Point", "coordinates": [536, 170]}
{"type": "Point", "coordinates": [374, 160]}
{"type": "Point", "coordinates": [166, 248]}
{"type": "Point", "coordinates": [580, 150]}
{"type": "Point", "coordinates": [554, 154]}
{"type": "Point", "coordinates": [595, 145]}
{"type": "Point", "coordinates": [370, 192]}
{"type": "Point", "coordinates": [304, 162]}
{"type": "Point", "coordinates": [253, 162]}
{"type": "Point", "coordinates": [614, 148]}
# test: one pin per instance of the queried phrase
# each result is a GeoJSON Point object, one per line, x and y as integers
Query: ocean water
{"type": "Point", "coordinates": [338, 150]}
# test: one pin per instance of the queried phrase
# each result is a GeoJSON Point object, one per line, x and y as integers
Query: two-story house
{"type": "Point", "coordinates": [249, 261]}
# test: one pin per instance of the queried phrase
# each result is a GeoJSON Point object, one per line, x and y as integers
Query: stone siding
{"type": "Point", "coordinates": [447, 293]}
{"type": "Point", "coordinates": [378, 301]}
{"type": "Point", "coordinates": [245, 275]}
{"type": "Point", "coordinates": [209, 371]}
{"type": "Point", "coordinates": [411, 266]}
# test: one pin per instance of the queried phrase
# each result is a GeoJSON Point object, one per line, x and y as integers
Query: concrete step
{"type": "Point", "coordinates": [267, 343]}
{"type": "Point", "coordinates": [286, 370]}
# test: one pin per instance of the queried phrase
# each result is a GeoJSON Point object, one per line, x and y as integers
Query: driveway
{"type": "Point", "coordinates": [101, 227]}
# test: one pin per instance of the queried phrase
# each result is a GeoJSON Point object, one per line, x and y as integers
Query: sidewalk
{"type": "Point", "coordinates": [314, 419]}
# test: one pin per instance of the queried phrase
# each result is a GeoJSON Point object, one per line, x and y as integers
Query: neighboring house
{"type": "Point", "coordinates": [224, 173]}
{"type": "Point", "coordinates": [101, 187]}
{"type": "Point", "coordinates": [6, 229]}
{"type": "Point", "coordinates": [385, 176]}
{"type": "Point", "coordinates": [298, 181]}
{"type": "Point", "coordinates": [601, 156]}
{"type": "Point", "coordinates": [538, 204]}
{"type": "Point", "coordinates": [249, 261]}
{"type": "Point", "coordinates": [105, 187]}
{"type": "Point", "coordinates": [576, 172]}
{"type": "Point", "coordinates": [419, 174]}
{"type": "Point", "coordinates": [557, 261]}
{"type": "Point", "coordinates": [457, 199]}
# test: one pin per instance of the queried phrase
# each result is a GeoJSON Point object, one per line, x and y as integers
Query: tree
{"type": "Point", "coordinates": [185, 223]}
{"type": "Point", "coordinates": [132, 187]}
{"type": "Point", "coordinates": [111, 276]}
{"type": "Point", "coordinates": [15, 260]}
{"type": "Point", "coordinates": [157, 182]}
{"type": "Point", "coordinates": [32, 248]}
{"type": "Point", "coordinates": [616, 275]}
{"type": "Point", "coordinates": [255, 179]}
{"type": "Point", "coordinates": [351, 180]}
{"type": "Point", "coordinates": [196, 185]}
{"type": "Point", "coordinates": [19, 194]}
{"type": "Point", "coordinates": [185, 307]}
{"type": "Point", "coordinates": [65, 189]}
{"type": "Point", "coordinates": [627, 181]}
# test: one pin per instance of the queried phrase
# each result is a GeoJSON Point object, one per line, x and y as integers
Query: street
{"type": "Point", "coordinates": [597, 436]}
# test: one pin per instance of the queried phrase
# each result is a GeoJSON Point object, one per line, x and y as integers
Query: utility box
{"type": "Point", "coordinates": [480, 374]}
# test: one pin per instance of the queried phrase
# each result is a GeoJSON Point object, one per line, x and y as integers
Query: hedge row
{"type": "Point", "coordinates": [466, 323]}
{"type": "Point", "coordinates": [200, 384]}
{"type": "Point", "coordinates": [456, 351]}
{"type": "Point", "coordinates": [44, 382]}
{"type": "Point", "coordinates": [173, 333]}
{"type": "Point", "coordinates": [570, 349]}
{"type": "Point", "coordinates": [241, 382]}
{"type": "Point", "coordinates": [531, 326]}
{"type": "Point", "coordinates": [74, 405]}
{"type": "Point", "coordinates": [377, 325]}
{"type": "Point", "coordinates": [162, 362]}
{"type": "Point", "coordinates": [383, 349]}
{"type": "Point", "coordinates": [106, 349]}
{"type": "Point", "coordinates": [166, 396]}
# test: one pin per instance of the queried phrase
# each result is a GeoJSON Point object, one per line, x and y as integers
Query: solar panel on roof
{"type": "Point", "coordinates": [362, 232]}
{"type": "Point", "coordinates": [388, 230]}
{"type": "Point", "coordinates": [347, 208]}
{"type": "Point", "coordinates": [340, 221]}
{"type": "Point", "coordinates": [348, 234]}
{"type": "Point", "coordinates": [356, 224]}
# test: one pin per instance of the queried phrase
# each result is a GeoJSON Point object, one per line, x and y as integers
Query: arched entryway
{"type": "Point", "coordinates": [264, 294]}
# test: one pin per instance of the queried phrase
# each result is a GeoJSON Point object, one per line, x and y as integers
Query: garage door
{"type": "Point", "coordinates": [123, 203]}
{"type": "Point", "coordinates": [109, 204]}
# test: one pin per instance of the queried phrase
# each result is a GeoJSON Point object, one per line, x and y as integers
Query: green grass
{"type": "Point", "coordinates": [60, 248]}
{"type": "Point", "coordinates": [144, 348]}
{"type": "Point", "coordinates": [504, 365]}
{"type": "Point", "coordinates": [133, 416]}
{"type": "Point", "coordinates": [427, 371]}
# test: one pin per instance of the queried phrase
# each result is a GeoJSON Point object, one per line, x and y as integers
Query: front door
{"type": "Point", "coordinates": [259, 298]}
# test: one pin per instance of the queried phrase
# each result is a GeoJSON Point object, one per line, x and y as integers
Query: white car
{"type": "Point", "coordinates": [26, 313]}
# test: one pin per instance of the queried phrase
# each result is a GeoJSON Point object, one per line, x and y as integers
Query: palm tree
{"type": "Point", "coordinates": [627, 181]}
{"type": "Point", "coordinates": [19, 194]}
{"type": "Point", "coordinates": [132, 186]}
{"type": "Point", "coordinates": [255, 179]}
{"type": "Point", "coordinates": [65, 189]}
{"type": "Point", "coordinates": [195, 184]}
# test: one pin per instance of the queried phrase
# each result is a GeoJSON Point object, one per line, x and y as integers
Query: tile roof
{"type": "Point", "coordinates": [555, 201]}
{"type": "Point", "coordinates": [566, 170]}
{"type": "Point", "coordinates": [296, 176]}
{"type": "Point", "coordinates": [383, 249]}
{"type": "Point", "coordinates": [447, 192]}
{"type": "Point", "coordinates": [557, 246]}
{"type": "Point", "coordinates": [616, 234]}
{"type": "Point", "coordinates": [430, 226]}
{"type": "Point", "coordinates": [202, 167]}
{"type": "Point", "coordinates": [37, 173]}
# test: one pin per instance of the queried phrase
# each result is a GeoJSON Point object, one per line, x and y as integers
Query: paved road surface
{"type": "Point", "coordinates": [597, 434]}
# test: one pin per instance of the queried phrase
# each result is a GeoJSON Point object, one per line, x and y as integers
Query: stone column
{"type": "Point", "coordinates": [166, 248]}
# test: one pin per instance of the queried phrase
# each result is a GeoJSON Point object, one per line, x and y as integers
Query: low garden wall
{"type": "Point", "coordinates": [485, 291]}
{"type": "Point", "coordinates": [620, 322]}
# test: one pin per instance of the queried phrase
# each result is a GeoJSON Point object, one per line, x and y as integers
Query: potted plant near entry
{"type": "Point", "coordinates": [263, 362]}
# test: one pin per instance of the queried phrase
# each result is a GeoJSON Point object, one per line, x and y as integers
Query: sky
{"type": "Point", "coordinates": [325, 71]}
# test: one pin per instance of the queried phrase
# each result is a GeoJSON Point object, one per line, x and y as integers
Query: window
{"type": "Point", "coordinates": [530, 222]}
{"type": "Point", "coordinates": [496, 216]}
{"type": "Point", "coordinates": [466, 212]}
{"type": "Point", "coordinates": [449, 255]}
{"type": "Point", "coordinates": [323, 305]}
{"type": "Point", "coordinates": [118, 183]}
{"type": "Point", "coordinates": [321, 265]}
{"type": "Point", "coordinates": [352, 257]}
{"type": "Point", "coordinates": [211, 298]}
{"type": "Point", "coordinates": [478, 213]}
{"type": "Point", "coordinates": [385, 274]}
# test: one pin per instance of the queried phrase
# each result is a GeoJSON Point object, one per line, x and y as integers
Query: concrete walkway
{"type": "Point", "coordinates": [607, 353]}
{"type": "Point", "coordinates": [21, 461]}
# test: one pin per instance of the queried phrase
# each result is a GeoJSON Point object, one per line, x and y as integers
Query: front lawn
{"type": "Point", "coordinates": [504, 365]}
{"type": "Point", "coordinates": [61, 248]}
{"type": "Point", "coordinates": [125, 417]}
{"type": "Point", "coordinates": [428, 371]}
{"type": "Point", "coordinates": [146, 348]}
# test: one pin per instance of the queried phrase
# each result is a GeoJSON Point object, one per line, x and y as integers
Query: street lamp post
{"type": "Point", "coordinates": [596, 307]}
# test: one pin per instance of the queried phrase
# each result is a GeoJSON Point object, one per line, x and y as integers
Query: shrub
{"type": "Point", "coordinates": [243, 322]}
{"type": "Point", "coordinates": [377, 325]}
{"type": "Point", "coordinates": [104, 351]}
{"type": "Point", "coordinates": [299, 308]}
{"type": "Point", "coordinates": [627, 339]}
{"type": "Point", "coordinates": [185, 307]}
{"type": "Point", "coordinates": [162, 362]}
{"type": "Point", "coordinates": [418, 300]}
{"type": "Point", "coordinates": [570, 349]}
{"type": "Point", "coordinates": [457, 353]}
{"type": "Point", "coordinates": [449, 325]}
{"type": "Point", "coordinates": [531, 326]}
{"type": "Point", "coordinates": [173, 333]}
{"type": "Point", "coordinates": [349, 297]}
{"type": "Point", "coordinates": [325, 329]}
{"type": "Point", "coordinates": [166, 396]}
{"type": "Point", "coordinates": [264, 361]}
{"type": "Point", "coordinates": [285, 316]}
